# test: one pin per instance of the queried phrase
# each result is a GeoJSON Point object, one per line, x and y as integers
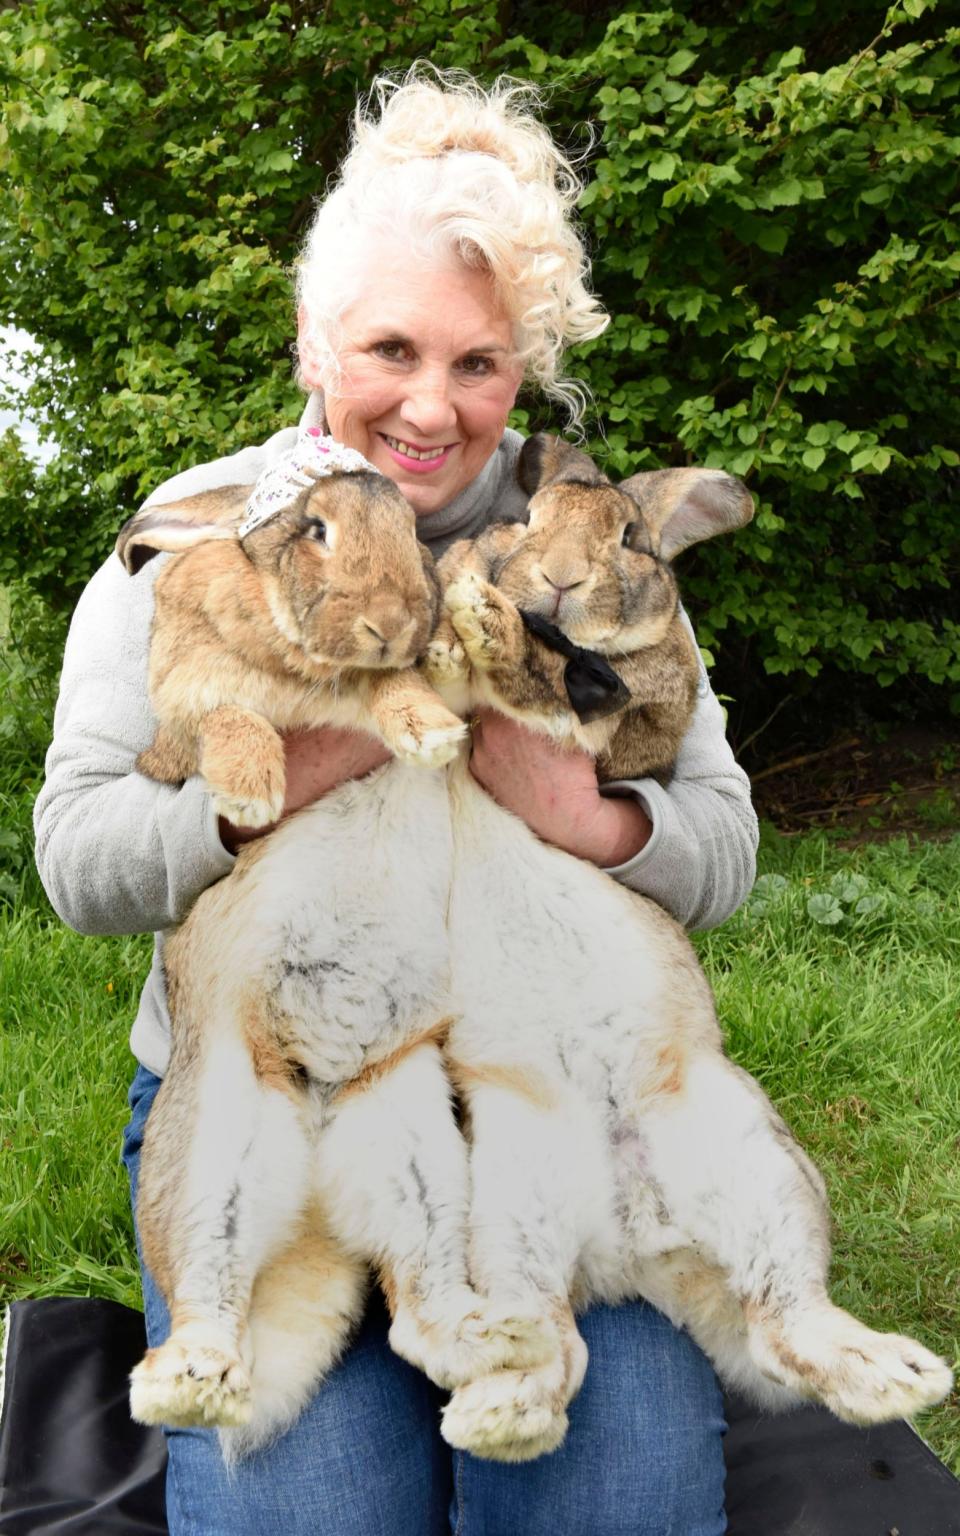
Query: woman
{"type": "Point", "coordinates": [441, 271]}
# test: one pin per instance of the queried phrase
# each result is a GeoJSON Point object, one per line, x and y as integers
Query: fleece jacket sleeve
{"type": "Point", "coordinates": [117, 852]}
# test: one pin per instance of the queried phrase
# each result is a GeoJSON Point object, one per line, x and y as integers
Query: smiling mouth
{"type": "Point", "coordinates": [409, 452]}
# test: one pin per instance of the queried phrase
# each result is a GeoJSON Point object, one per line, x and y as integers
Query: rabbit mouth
{"type": "Point", "coordinates": [563, 608]}
{"type": "Point", "coordinates": [572, 617]}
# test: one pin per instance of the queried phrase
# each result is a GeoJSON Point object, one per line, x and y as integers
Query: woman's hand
{"type": "Point", "coordinates": [555, 792]}
{"type": "Point", "coordinates": [316, 762]}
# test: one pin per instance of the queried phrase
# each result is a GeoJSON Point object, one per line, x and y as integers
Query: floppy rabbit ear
{"type": "Point", "coordinates": [178, 525]}
{"type": "Point", "coordinates": [544, 458]}
{"type": "Point", "coordinates": [682, 506]}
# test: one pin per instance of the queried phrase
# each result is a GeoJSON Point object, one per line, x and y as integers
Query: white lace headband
{"type": "Point", "coordinates": [313, 456]}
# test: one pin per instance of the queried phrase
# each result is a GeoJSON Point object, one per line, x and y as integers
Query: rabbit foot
{"type": "Point", "coordinates": [241, 759]}
{"type": "Point", "coordinates": [430, 746]}
{"type": "Point", "coordinates": [183, 1384]}
{"type": "Point", "coordinates": [505, 1417]}
{"type": "Point", "coordinates": [487, 623]}
{"type": "Point", "coordinates": [445, 662]}
{"type": "Point", "coordinates": [252, 812]}
{"type": "Point", "coordinates": [862, 1376]}
{"type": "Point", "coordinates": [473, 1343]}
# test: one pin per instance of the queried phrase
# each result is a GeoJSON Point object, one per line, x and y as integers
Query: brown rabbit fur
{"type": "Point", "coordinates": [594, 561]}
{"type": "Point", "coordinates": [313, 618]}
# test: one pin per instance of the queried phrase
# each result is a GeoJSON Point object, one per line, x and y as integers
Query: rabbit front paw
{"type": "Point", "coordinates": [433, 747]}
{"type": "Point", "coordinates": [242, 812]}
{"type": "Point", "coordinates": [445, 662]}
{"type": "Point", "coordinates": [242, 760]}
{"type": "Point", "coordinates": [487, 622]}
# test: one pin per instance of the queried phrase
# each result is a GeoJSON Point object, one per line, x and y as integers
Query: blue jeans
{"type": "Point", "coordinates": [643, 1456]}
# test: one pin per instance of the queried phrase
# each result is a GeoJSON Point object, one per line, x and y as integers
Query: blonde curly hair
{"type": "Point", "coordinates": [465, 172]}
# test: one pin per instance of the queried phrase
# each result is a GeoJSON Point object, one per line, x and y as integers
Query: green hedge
{"type": "Point", "coordinates": [774, 222]}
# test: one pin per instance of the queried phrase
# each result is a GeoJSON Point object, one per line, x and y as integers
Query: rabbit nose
{"type": "Point", "coordinates": [386, 620]}
{"type": "Point", "coordinates": [563, 581]}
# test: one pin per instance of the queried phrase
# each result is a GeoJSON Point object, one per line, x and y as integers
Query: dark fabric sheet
{"type": "Point", "coordinates": [73, 1464]}
{"type": "Point", "coordinates": [806, 1474]}
{"type": "Point", "coordinates": [71, 1458]}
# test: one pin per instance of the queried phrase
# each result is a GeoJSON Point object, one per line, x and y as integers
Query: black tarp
{"type": "Point", "coordinates": [71, 1460]}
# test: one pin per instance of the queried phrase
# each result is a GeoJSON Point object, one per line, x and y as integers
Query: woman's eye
{"type": "Point", "coordinates": [477, 366]}
{"type": "Point", "coordinates": [317, 530]}
{"type": "Point", "coordinates": [390, 351]}
{"type": "Point", "coordinates": [628, 534]}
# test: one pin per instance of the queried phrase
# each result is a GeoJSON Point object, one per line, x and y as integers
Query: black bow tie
{"type": "Point", "coordinates": [593, 688]}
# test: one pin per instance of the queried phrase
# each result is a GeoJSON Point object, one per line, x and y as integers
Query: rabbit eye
{"type": "Point", "coordinates": [628, 533]}
{"type": "Point", "coordinates": [317, 530]}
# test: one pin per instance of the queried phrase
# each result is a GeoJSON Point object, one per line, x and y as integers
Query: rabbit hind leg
{"type": "Point", "coordinates": [538, 1171]}
{"type": "Point", "coordinates": [744, 1251]}
{"type": "Point", "coordinates": [305, 1304]}
{"type": "Point", "coordinates": [223, 1185]}
{"type": "Point", "coordinates": [394, 1178]}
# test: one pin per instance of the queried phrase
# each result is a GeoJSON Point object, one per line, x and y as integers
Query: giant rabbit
{"type": "Point", "coordinates": [615, 1150]}
{"type": "Point", "coordinates": [290, 605]}
{"type": "Point", "coordinates": [304, 1127]}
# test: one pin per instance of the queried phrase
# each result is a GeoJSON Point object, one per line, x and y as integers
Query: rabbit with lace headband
{"type": "Point", "coordinates": [303, 1132]}
{"type": "Point", "coordinates": [615, 1151]}
{"type": "Point", "coordinates": [301, 601]}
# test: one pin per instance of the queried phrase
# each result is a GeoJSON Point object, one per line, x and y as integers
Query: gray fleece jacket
{"type": "Point", "coordinates": [118, 853]}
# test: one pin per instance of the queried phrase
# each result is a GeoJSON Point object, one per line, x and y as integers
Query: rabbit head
{"type": "Point", "coordinates": [596, 557]}
{"type": "Point", "coordinates": [340, 568]}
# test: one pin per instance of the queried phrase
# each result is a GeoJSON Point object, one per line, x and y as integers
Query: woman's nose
{"type": "Point", "coordinates": [427, 406]}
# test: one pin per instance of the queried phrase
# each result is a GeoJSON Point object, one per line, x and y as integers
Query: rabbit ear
{"type": "Point", "coordinates": [682, 506]}
{"type": "Point", "coordinates": [178, 525]}
{"type": "Point", "coordinates": [544, 458]}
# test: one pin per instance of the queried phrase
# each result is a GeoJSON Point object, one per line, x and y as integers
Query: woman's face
{"type": "Point", "coordinates": [426, 364]}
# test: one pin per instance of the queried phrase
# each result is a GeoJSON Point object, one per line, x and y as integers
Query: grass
{"type": "Point", "coordinates": [845, 1008]}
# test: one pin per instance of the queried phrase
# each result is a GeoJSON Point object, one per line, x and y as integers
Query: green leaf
{"type": "Point", "coordinates": [848, 886]}
{"type": "Point", "coordinates": [662, 167]}
{"type": "Point", "coordinates": [825, 910]}
{"type": "Point", "coordinates": [772, 237]}
{"type": "Point", "coordinates": [787, 192]}
{"type": "Point", "coordinates": [680, 62]}
{"type": "Point", "coordinates": [756, 346]}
